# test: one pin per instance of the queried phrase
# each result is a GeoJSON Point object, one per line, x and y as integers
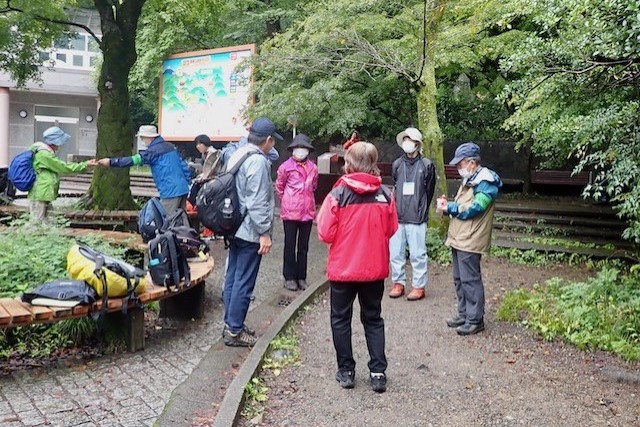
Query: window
{"type": "Point", "coordinates": [77, 43]}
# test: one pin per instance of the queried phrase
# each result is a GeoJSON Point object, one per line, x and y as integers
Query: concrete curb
{"type": "Point", "coordinates": [229, 410]}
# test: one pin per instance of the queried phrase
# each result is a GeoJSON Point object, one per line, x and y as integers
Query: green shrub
{"type": "Point", "coordinates": [35, 256]}
{"type": "Point", "coordinates": [601, 313]}
{"type": "Point", "coordinates": [30, 257]}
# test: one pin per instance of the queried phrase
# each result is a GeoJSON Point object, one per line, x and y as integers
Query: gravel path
{"type": "Point", "coordinates": [505, 376]}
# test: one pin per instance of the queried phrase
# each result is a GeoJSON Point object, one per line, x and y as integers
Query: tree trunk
{"type": "Point", "coordinates": [110, 187]}
{"type": "Point", "coordinates": [432, 146]}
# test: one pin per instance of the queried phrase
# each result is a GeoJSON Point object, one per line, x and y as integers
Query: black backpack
{"type": "Point", "coordinates": [218, 204]}
{"type": "Point", "coordinates": [62, 290]}
{"type": "Point", "coordinates": [190, 242]}
{"type": "Point", "coordinates": [167, 262]}
{"type": "Point", "coordinates": [151, 219]}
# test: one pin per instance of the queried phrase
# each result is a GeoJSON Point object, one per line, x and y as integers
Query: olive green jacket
{"type": "Point", "coordinates": [48, 168]}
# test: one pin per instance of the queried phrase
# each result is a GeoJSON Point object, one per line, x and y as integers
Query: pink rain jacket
{"type": "Point", "coordinates": [295, 186]}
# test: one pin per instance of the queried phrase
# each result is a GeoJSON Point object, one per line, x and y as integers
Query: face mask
{"type": "Point", "coordinates": [300, 153]}
{"type": "Point", "coordinates": [464, 173]}
{"type": "Point", "coordinates": [409, 146]}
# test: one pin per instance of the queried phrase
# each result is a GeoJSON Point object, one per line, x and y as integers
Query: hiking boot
{"type": "Point", "coordinates": [415, 294]}
{"type": "Point", "coordinates": [397, 291]}
{"type": "Point", "coordinates": [454, 322]}
{"type": "Point", "coordinates": [291, 285]}
{"type": "Point", "coordinates": [346, 379]}
{"type": "Point", "coordinates": [302, 284]}
{"type": "Point", "coordinates": [470, 328]}
{"type": "Point", "coordinates": [225, 330]}
{"type": "Point", "coordinates": [378, 382]}
{"type": "Point", "coordinates": [241, 339]}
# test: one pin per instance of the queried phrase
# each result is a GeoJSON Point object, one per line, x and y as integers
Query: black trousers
{"type": "Point", "coordinates": [296, 234]}
{"type": "Point", "coordinates": [369, 295]}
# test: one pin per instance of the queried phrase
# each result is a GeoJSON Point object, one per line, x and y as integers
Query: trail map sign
{"type": "Point", "coordinates": [204, 92]}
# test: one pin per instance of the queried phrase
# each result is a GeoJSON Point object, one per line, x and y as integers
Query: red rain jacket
{"type": "Point", "coordinates": [357, 219]}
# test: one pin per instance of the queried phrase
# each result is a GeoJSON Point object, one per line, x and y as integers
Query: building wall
{"type": "Point", "coordinates": [22, 130]}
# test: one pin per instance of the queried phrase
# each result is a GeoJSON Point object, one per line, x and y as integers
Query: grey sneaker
{"type": "Point", "coordinates": [346, 379]}
{"type": "Point", "coordinates": [470, 328]}
{"type": "Point", "coordinates": [241, 339]}
{"type": "Point", "coordinates": [454, 322]}
{"type": "Point", "coordinates": [291, 285]}
{"type": "Point", "coordinates": [302, 284]}
{"type": "Point", "coordinates": [225, 330]}
{"type": "Point", "coordinates": [378, 382]}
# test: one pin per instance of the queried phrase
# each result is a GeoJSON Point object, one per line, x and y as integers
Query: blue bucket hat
{"type": "Point", "coordinates": [468, 150]}
{"type": "Point", "coordinates": [55, 136]}
{"type": "Point", "coordinates": [263, 127]}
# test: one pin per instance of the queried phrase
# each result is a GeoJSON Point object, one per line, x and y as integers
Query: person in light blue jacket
{"type": "Point", "coordinates": [170, 172]}
{"type": "Point", "coordinates": [253, 238]}
{"type": "Point", "coordinates": [233, 146]}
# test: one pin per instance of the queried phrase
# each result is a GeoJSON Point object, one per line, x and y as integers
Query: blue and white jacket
{"type": "Point", "coordinates": [170, 172]}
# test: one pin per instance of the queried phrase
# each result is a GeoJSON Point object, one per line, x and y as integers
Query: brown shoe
{"type": "Point", "coordinates": [397, 291]}
{"type": "Point", "coordinates": [415, 294]}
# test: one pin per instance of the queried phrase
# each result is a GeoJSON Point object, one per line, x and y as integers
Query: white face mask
{"type": "Point", "coordinates": [300, 153]}
{"type": "Point", "coordinates": [409, 146]}
{"type": "Point", "coordinates": [465, 173]}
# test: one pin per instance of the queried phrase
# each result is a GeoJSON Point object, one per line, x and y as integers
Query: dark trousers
{"type": "Point", "coordinates": [240, 279]}
{"type": "Point", "coordinates": [467, 279]}
{"type": "Point", "coordinates": [296, 233]}
{"type": "Point", "coordinates": [370, 297]}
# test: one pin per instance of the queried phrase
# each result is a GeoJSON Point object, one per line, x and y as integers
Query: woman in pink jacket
{"type": "Point", "coordinates": [297, 181]}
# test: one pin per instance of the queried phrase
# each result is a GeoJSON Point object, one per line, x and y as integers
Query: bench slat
{"type": "Point", "coordinates": [80, 310]}
{"type": "Point", "coordinates": [61, 312]}
{"type": "Point", "coordinates": [39, 312]}
{"type": "Point", "coordinates": [5, 317]}
{"type": "Point", "coordinates": [152, 292]}
{"type": "Point", "coordinates": [19, 314]}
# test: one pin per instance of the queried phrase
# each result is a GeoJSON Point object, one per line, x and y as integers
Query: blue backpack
{"type": "Point", "coordinates": [151, 219]}
{"type": "Point", "coordinates": [21, 171]}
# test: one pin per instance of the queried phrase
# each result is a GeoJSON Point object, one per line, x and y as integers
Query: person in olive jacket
{"type": "Point", "coordinates": [48, 168]}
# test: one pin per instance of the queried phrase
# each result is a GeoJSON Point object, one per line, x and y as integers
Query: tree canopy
{"type": "Point", "coordinates": [577, 95]}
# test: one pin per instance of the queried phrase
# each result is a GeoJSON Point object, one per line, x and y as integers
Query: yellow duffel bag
{"type": "Point", "coordinates": [105, 274]}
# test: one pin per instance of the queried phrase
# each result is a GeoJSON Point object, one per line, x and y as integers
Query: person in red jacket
{"type": "Point", "coordinates": [357, 219]}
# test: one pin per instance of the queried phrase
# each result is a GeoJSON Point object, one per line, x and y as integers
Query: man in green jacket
{"type": "Point", "coordinates": [48, 167]}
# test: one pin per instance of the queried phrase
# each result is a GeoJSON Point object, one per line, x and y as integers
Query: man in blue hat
{"type": "Point", "coordinates": [253, 239]}
{"type": "Point", "coordinates": [469, 234]}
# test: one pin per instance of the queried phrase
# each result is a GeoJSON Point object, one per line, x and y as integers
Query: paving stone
{"type": "Point", "coordinates": [132, 414]}
{"type": "Point", "coordinates": [31, 418]}
{"type": "Point", "coordinates": [5, 408]}
{"type": "Point", "coordinates": [68, 418]}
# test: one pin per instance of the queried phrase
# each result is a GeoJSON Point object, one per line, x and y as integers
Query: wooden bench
{"type": "Point", "coordinates": [185, 302]}
{"type": "Point", "coordinates": [560, 177]}
{"type": "Point", "coordinates": [140, 185]}
{"type": "Point", "coordinates": [125, 220]}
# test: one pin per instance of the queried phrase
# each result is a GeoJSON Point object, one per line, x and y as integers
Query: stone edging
{"type": "Point", "coordinates": [229, 410]}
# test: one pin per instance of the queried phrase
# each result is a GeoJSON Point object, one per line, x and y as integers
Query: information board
{"type": "Point", "coordinates": [205, 92]}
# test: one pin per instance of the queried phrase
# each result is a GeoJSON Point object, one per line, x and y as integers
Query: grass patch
{"type": "Point", "coordinates": [602, 312]}
{"type": "Point", "coordinates": [283, 351]}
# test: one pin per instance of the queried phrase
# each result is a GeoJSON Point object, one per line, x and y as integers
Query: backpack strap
{"type": "Point", "coordinates": [100, 274]}
{"type": "Point", "coordinates": [233, 171]}
{"type": "Point", "coordinates": [239, 163]}
{"type": "Point", "coordinates": [173, 254]}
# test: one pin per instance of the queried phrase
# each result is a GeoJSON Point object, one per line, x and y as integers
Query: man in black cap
{"type": "Point", "coordinates": [469, 234]}
{"type": "Point", "coordinates": [253, 238]}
